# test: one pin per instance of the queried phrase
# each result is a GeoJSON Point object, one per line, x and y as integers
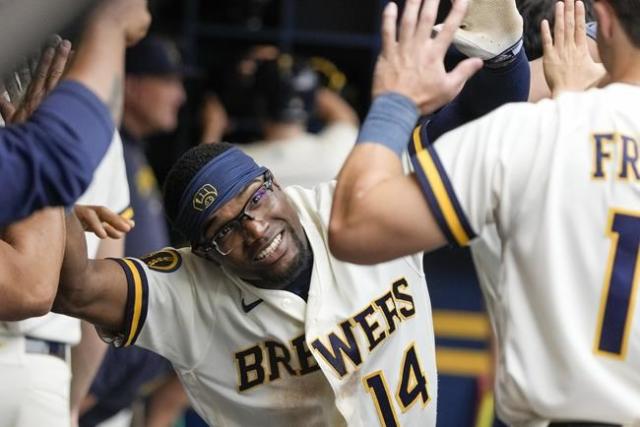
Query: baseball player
{"type": "Point", "coordinates": [260, 322]}
{"type": "Point", "coordinates": [547, 196]}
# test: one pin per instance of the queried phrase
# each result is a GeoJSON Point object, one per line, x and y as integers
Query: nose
{"type": "Point", "coordinates": [254, 228]}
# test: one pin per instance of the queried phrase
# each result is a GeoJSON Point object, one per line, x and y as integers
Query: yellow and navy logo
{"type": "Point", "coordinates": [166, 260]}
{"type": "Point", "coordinates": [204, 197]}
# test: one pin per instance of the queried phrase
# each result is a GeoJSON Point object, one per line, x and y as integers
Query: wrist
{"type": "Point", "coordinates": [390, 121]}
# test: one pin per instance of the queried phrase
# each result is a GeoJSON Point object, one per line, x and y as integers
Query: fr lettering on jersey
{"type": "Point", "coordinates": [268, 360]}
{"type": "Point", "coordinates": [615, 156]}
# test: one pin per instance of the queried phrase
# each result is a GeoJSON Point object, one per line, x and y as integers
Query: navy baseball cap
{"type": "Point", "coordinates": [156, 56]}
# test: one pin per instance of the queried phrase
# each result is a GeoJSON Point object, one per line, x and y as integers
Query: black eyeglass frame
{"type": "Point", "coordinates": [212, 243]}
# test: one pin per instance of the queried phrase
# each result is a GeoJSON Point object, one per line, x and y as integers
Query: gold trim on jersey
{"type": "Point", "coordinates": [137, 300]}
{"type": "Point", "coordinates": [468, 363]}
{"type": "Point", "coordinates": [439, 189]}
{"type": "Point", "coordinates": [461, 324]}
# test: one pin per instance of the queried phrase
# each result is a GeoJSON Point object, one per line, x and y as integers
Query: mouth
{"type": "Point", "coordinates": [271, 252]}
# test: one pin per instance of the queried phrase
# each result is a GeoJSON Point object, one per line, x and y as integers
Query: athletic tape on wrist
{"type": "Point", "coordinates": [390, 121]}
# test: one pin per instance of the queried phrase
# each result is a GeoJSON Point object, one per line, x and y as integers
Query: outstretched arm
{"type": "Point", "coordinates": [92, 290]}
{"type": "Point", "coordinates": [49, 160]}
{"type": "Point", "coordinates": [31, 252]}
{"type": "Point", "coordinates": [378, 212]}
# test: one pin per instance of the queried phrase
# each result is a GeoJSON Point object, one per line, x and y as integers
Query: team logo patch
{"type": "Point", "coordinates": [166, 260]}
{"type": "Point", "coordinates": [204, 197]}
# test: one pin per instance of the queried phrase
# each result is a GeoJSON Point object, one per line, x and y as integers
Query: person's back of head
{"type": "Point", "coordinates": [534, 12]}
{"type": "Point", "coordinates": [619, 38]}
{"type": "Point", "coordinates": [285, 90]}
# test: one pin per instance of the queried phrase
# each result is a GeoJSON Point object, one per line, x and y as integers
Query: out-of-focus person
{"type": "Point", "coordinates": [287, 92]}
{"type": "Point", "coordinates": [153, 96]}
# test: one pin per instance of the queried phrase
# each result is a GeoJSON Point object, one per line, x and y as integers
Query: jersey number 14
{"type": "Point", "coordinates": [620, 283]}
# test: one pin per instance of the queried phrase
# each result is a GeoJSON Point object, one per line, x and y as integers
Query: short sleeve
{"type": "Point", "coordinates": [474, 176]}
{"type": "Point", "coordinates": [159, 304]}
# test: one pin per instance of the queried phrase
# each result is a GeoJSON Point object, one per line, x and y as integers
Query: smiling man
{"type": "Point", "coordinates": [263, 326]}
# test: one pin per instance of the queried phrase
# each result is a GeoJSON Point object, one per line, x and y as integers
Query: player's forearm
{"type": "Point", "coordinates": [31, 253]}
{"type": "Point", "coordinates": [92, 290]}
{"type": "Point", "coordinates": [99, 64]}
{"type": "Point", "coordinates": [352, 218]}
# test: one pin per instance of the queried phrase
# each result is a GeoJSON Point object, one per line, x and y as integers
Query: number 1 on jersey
{"type": "Point", "coordinates": [621, 282]}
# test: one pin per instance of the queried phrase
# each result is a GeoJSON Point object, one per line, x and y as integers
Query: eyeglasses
{"type": "Point", "coordinates": [230, 236]}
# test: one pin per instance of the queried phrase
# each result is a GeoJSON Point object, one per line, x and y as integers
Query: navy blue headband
{"type": "Point", "coordinates": [219, 181]}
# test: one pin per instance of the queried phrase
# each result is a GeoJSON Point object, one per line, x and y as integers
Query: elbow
{"type": "Point", "coordinates": [35, 299]}
{"type": "Point", "coordinates": [341, 241]}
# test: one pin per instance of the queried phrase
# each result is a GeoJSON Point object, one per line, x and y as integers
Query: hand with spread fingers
{"type": "Point", "coordinates": [103, 222]}
{"type": "Point", "coordinates": [568, 66]}
{"type": "Point", "coordinates": [25, 99]}
{"type": "Point", "coordinates": [412, 63]}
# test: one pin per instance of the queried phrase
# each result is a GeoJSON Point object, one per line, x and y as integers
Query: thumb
{"type": "Point", "coordinates": [464, 71]}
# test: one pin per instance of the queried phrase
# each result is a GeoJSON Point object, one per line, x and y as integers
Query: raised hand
{"type": "Point", "coordinates": [103, 222]}
{"type": "Point", "coordinates": [568, 66]}
{"type": "Point", "coordinates": [24, 101]}
{"type": "Point", "coordinates": [412, 63]}
{"type": "Point", "coordinates": [132, 16]}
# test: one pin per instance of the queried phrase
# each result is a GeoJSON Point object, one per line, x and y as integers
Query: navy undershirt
{"type": "Point", "coordinates": [300, 285]}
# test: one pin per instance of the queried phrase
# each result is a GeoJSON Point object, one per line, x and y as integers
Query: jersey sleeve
{"type": "Point", "coordinates": [109, 186]}
{"type": "Point", "coordinates": [474, 175]}
{"type": "Point", "coordinates": [50, 159]}
{"type": "Point", "coordinates": [159, 304]}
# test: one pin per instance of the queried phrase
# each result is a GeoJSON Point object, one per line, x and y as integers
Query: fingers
{"type": "Point", "coordinates": [103, 222]}
{"type": "Point", "coordinates": [7, 110]}
{"type": "Point", "coordinates": [40, 77]}
{"type": "Point", "coordinates": [569, 22]}
{"type": "Point", "coordinates": [58, 65]}
{"type": "Point", "coordinates": [581, 24]}
{"type": "Point", "coordinates": [451, 25]}
{"type": "Point", "coordinates": [112, 219]}
{"type": "Point", "coordinates": [428, 17]}
{"type": "Point", "coordinates": [409, 20]}
{"type": "Point", "coordinates": [389, 19]}
{"type": "Point", "coordinates": [90, 221]}
{"type": "Point", "coordinates": [558, 28]}
{"type": "Point", "coordinates": [547, 38]}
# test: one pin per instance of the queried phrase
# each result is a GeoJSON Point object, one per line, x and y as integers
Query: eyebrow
{"type": "Point", "coordinates": [213, 219]}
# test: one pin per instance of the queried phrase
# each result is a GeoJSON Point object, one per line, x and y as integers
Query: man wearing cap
{"type": "Point", "coordinates": [153, 95]}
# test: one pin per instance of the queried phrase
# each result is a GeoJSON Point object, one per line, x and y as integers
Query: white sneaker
{"type": "Point", "coordinates": [490, 29]}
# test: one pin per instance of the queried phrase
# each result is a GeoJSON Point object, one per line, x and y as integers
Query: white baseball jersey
{"type": "Point", "coordinates": [309, 159]}
{"type": "Point", "coordinates": [359, 352]}
{"type": "Point", "coordinates": [108, 188]}
{"type": "Point", "coordinates": [548, 195]}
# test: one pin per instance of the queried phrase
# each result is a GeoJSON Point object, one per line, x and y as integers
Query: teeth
{"type": "Point", "coordinates": [269, 249]}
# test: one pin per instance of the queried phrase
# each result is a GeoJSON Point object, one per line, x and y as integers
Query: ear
{"type": "Point", "coordinates": [605, 16]}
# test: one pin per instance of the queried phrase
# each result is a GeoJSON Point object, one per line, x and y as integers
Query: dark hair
{"type": "Point", "coordinates": [628, 13]}
{"type": "Point", "coordinates": [183, 172]}
{"type": "Point", "coordinates": [285, 89]}
{"type": "Point", "coordinates": [534, 12]}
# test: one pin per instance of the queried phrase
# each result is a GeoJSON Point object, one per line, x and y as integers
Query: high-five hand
{"type": "Point", "coordinates": [568, 66]}
{"type": "Point", "coordinates": [412, 63]}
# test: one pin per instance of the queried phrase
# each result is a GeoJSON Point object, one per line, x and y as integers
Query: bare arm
{"type": "Point", "coordinates": [87, 356]}
{"type": "Point", "coordinates": [333, 109]}
{"type": "Point", "coordinates": [92, 290]}
{"type": "Point", "coordinates": [378, 213]}
{"type": "Point", "coordinates": [99, 61]}
{"type": "Point", "coordinates": [31, 252]}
